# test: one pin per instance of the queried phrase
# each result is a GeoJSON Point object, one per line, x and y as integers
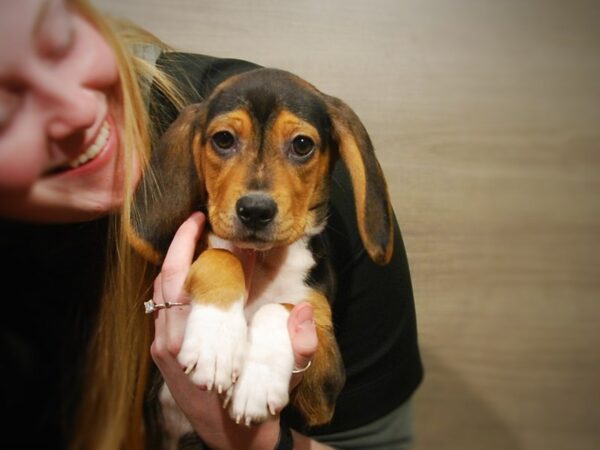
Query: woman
{"type": "Point", "coordinates": [75, 109]}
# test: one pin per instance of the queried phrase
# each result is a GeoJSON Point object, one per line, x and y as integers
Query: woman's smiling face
{"type": "Point", "coordinates": [60, 158]}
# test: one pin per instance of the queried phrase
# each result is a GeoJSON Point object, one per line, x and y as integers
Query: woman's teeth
{"type": "Point", "coordinates": [94, 149]}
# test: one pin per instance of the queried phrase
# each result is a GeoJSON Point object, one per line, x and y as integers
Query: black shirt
{"type": "Point", "coordinates": [52, 278]}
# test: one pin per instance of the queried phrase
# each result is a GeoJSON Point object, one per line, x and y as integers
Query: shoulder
{"type": "Point", "coordinates": [197, 75]}
{"type": "Point", "coordinates": [194, 76]}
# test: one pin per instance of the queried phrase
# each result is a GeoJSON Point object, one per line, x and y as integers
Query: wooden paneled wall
{"type": "Point", "coordinates": [486, 118]}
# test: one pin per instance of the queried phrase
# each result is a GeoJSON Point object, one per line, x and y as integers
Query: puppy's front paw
{"type": "Point", "coordinates": [263, 386]}
{"type": "Point", "coordinates": [259, 392]}
{"type": "Point", "coordinates": [213, 345]}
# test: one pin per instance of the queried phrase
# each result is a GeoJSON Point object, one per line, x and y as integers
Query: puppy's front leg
{"type": "Point", "coordinates": [215, 335]}
{"type": "Point", "coordinates": [263, 387]}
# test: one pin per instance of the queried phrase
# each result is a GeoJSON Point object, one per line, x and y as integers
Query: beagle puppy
{"type": "Point", "coordinates": [256, 157]}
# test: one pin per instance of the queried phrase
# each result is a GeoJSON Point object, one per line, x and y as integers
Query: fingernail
{"type": "Point", "coordinates": [306, 317]}
{"type": "Point", "coordinates": [307, 326]}
{"type": "Point", "coordinates": [197, 217]}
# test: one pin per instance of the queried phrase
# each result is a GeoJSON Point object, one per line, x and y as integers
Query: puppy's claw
{"type": "Point", "coordinates": [220, 389]}
{"type": "Point", "coordinates": [272, 410]}
{"type": "Point", "coordinates": [209, 387]}
{"type": "Point", "coordinates": [248, 422]}
{"type": "Point", "coordinates": [238, 419]}
{"type": "Point", "coordinates": [189, 369]}
{"type": "Point", "coordinates": [227, 400]}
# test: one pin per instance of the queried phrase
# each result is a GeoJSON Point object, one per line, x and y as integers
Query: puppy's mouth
{"type": "Point", "coordinates": [257, 241]}
{"type": "Point", "coordinates": [258, 246]}
{"type": "Point", "coordinates": [253, 234]}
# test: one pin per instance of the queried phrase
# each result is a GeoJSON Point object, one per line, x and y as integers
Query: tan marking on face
{"type": "Point", "coordinates": [295, 186]}
{"type": "Point", "coordinates": [237, 121]}
{"type": "Point", "coordinates": [197, 151]}
{"type": "Point", "coordinates": [217, 278]}
{"type": "Point", "coordinates": [225, 177]}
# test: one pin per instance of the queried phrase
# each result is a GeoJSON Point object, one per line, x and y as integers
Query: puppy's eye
{"type": "Point", "coordinates": [223, 142]}
{"type": "Point", "coordinates": [302, 147]}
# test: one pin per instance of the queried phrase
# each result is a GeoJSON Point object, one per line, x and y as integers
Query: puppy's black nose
{"type": "Point", "coordinates": [256, 210]}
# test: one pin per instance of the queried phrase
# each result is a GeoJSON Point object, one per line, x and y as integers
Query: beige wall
{"type": "Point", "coordinates": [486, 118]}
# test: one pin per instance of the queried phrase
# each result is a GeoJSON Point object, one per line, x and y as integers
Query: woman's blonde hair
{"type": "Point", "coordinates": [110, 416]}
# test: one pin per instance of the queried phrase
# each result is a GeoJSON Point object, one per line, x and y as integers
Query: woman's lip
{"type": "Point", "coordinates": [93, 149]}
{"type": "Point", "coordinates": [102, 158]}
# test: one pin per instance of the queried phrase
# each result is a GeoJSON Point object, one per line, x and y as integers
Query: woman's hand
{"type": "Point", "coordinates": [204, 409]}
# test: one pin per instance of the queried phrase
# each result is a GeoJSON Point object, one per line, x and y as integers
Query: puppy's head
{"type": "Point", "coordinates": [264, 153]}
{"type": "Point", "coordinates": [255, 156]}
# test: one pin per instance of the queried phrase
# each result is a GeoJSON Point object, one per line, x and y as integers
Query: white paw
{"type": "Point", "coordinates": [214, 344]}
{"type": "Point", "coordinates": [263, 386]}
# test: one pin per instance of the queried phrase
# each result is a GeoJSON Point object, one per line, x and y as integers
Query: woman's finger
{"type": "Point", "coordinates": [179, 257]}
{"type": "Point", "coordinates": [170, 323]}
{"type": "Point", "coordinates": [303, 333]}
{"type": "Point", "coordinates": [178, 261]}
{"type": "Point", "coordinates": [160, 342]}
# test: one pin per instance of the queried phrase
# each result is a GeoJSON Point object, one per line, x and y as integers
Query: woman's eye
{"type": "Point", "coordinates": [223, 142]}
{"type": "Point", "coordinates": [55, 35]}
{"type": "Point", "coordinates": [302, 147]}
{"type": "Point", "coordinates": [64, 46]}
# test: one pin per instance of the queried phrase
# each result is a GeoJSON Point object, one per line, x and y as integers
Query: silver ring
{"type": "Point", "coordinates": [304, 369]}
{"type": "Point", "coordinates": [150, 306]}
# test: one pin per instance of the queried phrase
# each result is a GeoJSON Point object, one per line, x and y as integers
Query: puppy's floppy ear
{"type": "Point", "coordinates": [373, 208]}
{"type": "Point", "coordinates": [171, 187]}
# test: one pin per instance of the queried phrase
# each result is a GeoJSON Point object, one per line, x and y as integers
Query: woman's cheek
{"type": "Point", "coordinates": [22, 159]}
{"type": "Point", "coordinates": [97, 69]}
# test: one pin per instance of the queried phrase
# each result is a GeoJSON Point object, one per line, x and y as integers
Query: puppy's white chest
{"type": "Point", "coordinates": [280, 277]}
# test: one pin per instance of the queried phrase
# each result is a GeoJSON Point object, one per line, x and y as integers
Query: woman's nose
{"type": "Point", "coordinates": [70, 108]}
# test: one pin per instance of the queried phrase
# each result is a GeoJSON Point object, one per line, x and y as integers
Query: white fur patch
{"type": "Point", "coordinates": [214, 343]}
{"type": "Point", "coordinates": [263, 385]}
{"type": "Point", "coordinates": [215, 241]}
{"type": "Point", "coordinates": [279, 276]}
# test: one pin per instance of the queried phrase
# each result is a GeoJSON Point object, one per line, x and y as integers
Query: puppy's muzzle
{"type": "Point", "coordinates": [256, 210]}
